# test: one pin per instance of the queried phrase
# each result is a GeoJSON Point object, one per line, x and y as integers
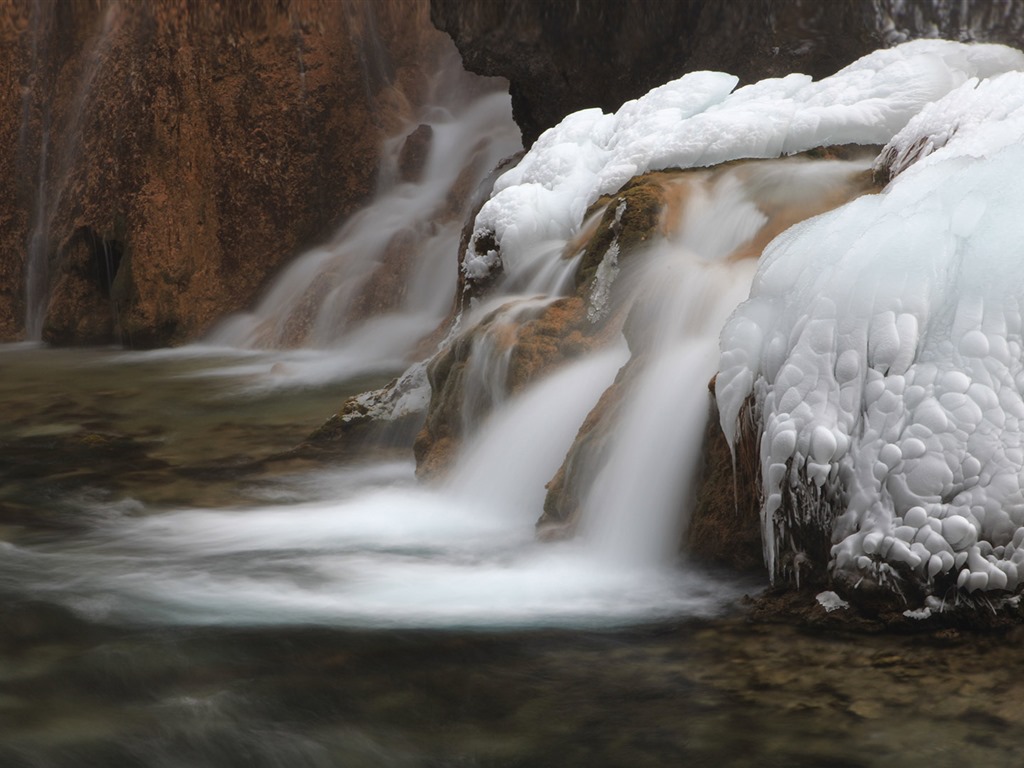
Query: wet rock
{"type": "Point", "coordinates": [372, 423]}
{"type": "Point", "coordinates": [531, 340]}
{"type": "Point", "coordinates": [563, 501]}
{"type": "Point", "coordinates": [413, 156]}
{"type": "Point", "coordinates": [725, 527]}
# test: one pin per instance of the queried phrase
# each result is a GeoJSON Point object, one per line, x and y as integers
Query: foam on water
{"type": "Point", "coordinates": [393, 555]}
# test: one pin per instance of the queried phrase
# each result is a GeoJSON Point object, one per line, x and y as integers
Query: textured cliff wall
{"type": "Point", "coordinates": [172, 155]}
{"type": "Point", "coordinates": [561, 57]}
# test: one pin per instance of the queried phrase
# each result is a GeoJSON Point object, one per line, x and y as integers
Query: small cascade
{"type": "Point", "coordinates": [637, 508]}
{"type": "Point", "coordinates": [385, 280]}
{"type": "Point", "coordinates": [56, 160]}
{"type": "Point", "coordinates": [36, 267]}
{"type": "Point", "coordinates": [486, 379]}
{"type": "Point", "coordinates": [638, 504]}
{"type": "Point", "coordinates": [587, 336]}
{"type": "Point", "coordinates": [520, 447]}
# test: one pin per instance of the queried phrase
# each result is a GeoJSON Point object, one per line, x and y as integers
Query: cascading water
{"type": "Point", "coordinates": [407, 239]}
{"type": "Point", "coordinates": [55, 161]}
{"type": "Point", "coordinates": [348, 554]}
{"type": "Point", "coordinates": [373, 549]}
{"type": "Point", "coordinates": [639, 501]}
{"type": "Point", "coordinates": [178, 588]}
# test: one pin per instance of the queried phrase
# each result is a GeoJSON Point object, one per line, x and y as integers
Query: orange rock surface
{"type": "Point", "coordinates": [175, 155]}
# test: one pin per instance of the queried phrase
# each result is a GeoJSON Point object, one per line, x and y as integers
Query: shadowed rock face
{"type": "Point", "coordinates": [172, 155]}
{"type": "Point", "coordinates": [562, 57]}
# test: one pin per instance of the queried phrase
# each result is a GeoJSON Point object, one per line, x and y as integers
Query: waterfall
{"type": "Point", "coordinates": [56, 160]}
{"type": "Point", "coordinates": [385, 280]}
{"type": "Point", "coordinates": [639, 501]}
{"type": "Point", "coordinates": [374, 548]}
{"type": "Point", "coordinates": [520, 448]}
{"type": "Point", "coordinates": [371, 548]}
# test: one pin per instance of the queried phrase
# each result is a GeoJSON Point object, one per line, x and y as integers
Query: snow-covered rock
{"type": "Point", "coordinates": [884, 346]}
{"type": "Point", "coordinates": [701, 119]}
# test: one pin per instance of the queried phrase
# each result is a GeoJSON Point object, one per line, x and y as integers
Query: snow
{"type": "Point", "coordinates": [702, 120]}
{"type": "Point", "coordinates": [830, 601]}
{"type": "Point", "coordinates": [882, 344]}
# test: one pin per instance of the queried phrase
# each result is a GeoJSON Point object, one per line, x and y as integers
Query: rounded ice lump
{"type": "Point", "coordinates": [923, 378]}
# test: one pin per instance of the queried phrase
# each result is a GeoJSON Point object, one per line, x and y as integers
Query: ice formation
{"type": "Point", "coordinates": [700, 120]}
{"type": "Point", "coordinates": [883, 345]}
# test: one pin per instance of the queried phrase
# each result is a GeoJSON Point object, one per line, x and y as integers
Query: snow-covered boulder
{"type": "Point", "coordinates": [883, 345]}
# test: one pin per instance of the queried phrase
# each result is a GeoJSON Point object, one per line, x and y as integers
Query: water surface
{"type": "Point", "coordinates": [168, 599]}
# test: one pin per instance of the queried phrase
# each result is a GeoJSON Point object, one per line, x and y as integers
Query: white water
{"type": "Point", "coordinates": [373, 549]}
{"type": "Point", "coordinates": [367, 546]}
{"type": "Point", "coordinates": [521, 446]}
{"type": "Point", "coordinates": [639, 504]}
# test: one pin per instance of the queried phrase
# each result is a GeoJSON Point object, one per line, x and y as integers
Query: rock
{"type": "Point", "coordinates": [563, 501]}
{"type": "Point", "coordinates": [725, 527]}
{"type": "Point", "coordinates": [375, 422]}
{"type": "Point", "coordinates": [632, 47]}
{"type": "Point", "coordinates": [201, 145]}
{"type": "Point", "coordinates": [459, 400]}
{"type": "Point", "coordinates": [413, 156]}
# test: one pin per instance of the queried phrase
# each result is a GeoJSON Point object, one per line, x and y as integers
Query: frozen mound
{"type": "Point", "coordinates": [700, 120]}
{"type": "Point", "coordinates": [883, 347]}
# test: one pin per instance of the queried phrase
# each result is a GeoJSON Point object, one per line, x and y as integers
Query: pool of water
{"type": "Point", "coordinates": [167, 598]}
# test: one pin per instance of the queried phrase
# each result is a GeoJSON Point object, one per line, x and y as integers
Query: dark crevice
{"type": "Point", "coordinates": [104, 259]}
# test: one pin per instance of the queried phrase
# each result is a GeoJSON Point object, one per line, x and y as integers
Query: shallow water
{"type": "Point", "coordinates": [167, 599]}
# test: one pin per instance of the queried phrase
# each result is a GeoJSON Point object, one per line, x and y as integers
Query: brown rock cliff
{"type": "Point", "coordinates": [172, 155]}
